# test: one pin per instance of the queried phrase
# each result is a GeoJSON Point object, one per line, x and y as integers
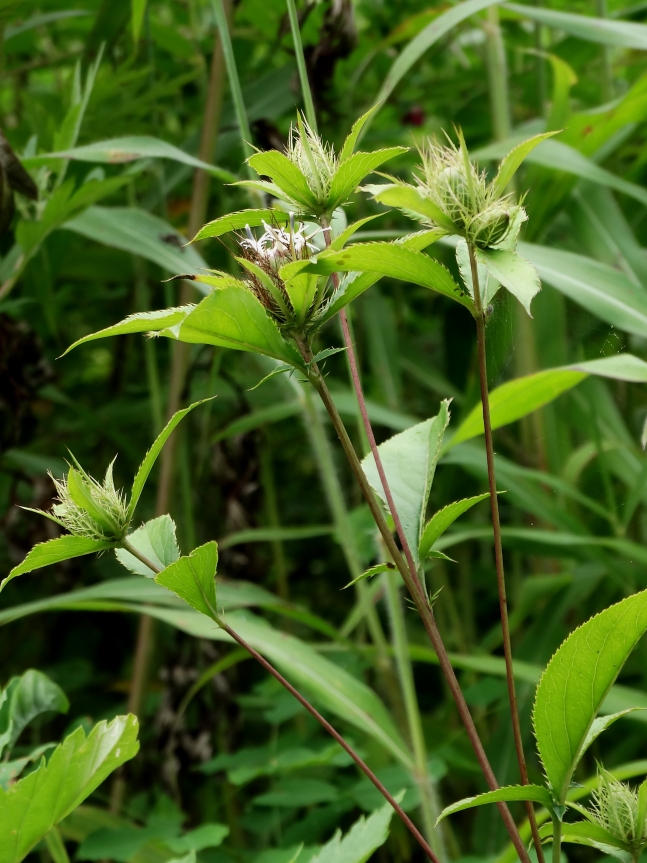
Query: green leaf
{"type": "Point", "coordinates": [35, 804]}
{"type": "Point", "coordinates": [515, 273]}
{"type": "Point", "coordinates": [410, 200]}
{"type": "Point", "coordinates": [239, 221]}
{"type": "Point", "coordinates": [373, 570]}
{"type": "Point", "coordinates": [351, 141]}
{"type": "Point", "coordinates": [140, 233]}
{"type": "Point", "coordinates": [137, 18]}
{"type": "Point", "coordinates": [352, 171]}
{"type": "Point", "coordinates": [115, 151]}
{"type": "Point", "coordinates": [363, 838]}
{"type": "Point", "coordinates": [409, 460]}
{"type": "Point", "coordinates": [341, 239]}
{"type": "Point", "coordinates": [54, 551]}
{"type": "Point", "coordinates": [81, 494]}
{"type": "Point", "coordinates": [593, 835]}
{"type": "Point", "coordinates": [394, 260]}
{"type": "Point", "coordinates": [234, 318]}
{"type": "Point", "coordinates": [27, 697]}
{"type": "Point", "coordinates": [601, 723]}
{"type": "Point", "coordinates": [576, 682]}
{"type": "Point", "coordinates": [508, 794]}
{"type": "Point", "coordinates": [488, 285]}
{"type": "Point", "coordinates": [444, 518]}
{"type": "Point", "coordinates": [285, 175]}
{"type": "Point", "coordinates": [513, 160]}
{"type": "Point", "coordinates": [151, 456]}
{"type": "Point", "coordinates": [520, 397]}
{"type": "Point", "coordinates": [600, 289]}
{"type": "Point", "coordinates": [205, 836]}
{"type": "Point", "coordinates": [142, 322]}
{"type": "Point", "coordinates": [193, 578]}
{"type": "Point", "coordinates": [624, 34]}
{"type": "Point", "coordinates": [156, 540]}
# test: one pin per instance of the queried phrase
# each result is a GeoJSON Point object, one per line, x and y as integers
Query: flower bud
{"type": "Point", "coordinates": [617, 808]}
{"type": "Point", "coordinates": [490, 227]}
{"type": "Point", "coordinates": [89, 508]}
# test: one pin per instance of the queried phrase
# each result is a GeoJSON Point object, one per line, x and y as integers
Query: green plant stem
{"type": "Point", "coordinates": [306, 92]}
{"type": "Point", "coordinates": [557, 840]}
{"type": "Point", "coordinates": [428, 799]}
{"type": "Point", "coordinates": [498, 547]}
{"type": "Point", "coordinates": [272, 512]}
{"type": "Point", "coordinates": [498, 75]}
{"type": "Point", "coordinates": [234, 80]}
{"type": "Point", "coordinates": [607, 65]}
{"type": "Point", "coordinates": [311, 710]}
{"type": "Point", "coordinates": [421, 601]}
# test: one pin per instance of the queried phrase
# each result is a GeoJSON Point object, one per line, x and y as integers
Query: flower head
{"type": "Point", "coordinates": [481, 214]}
{"type": "Point", "coordinates": [317, 161]}
{"type": "Point", "coordinates": [86, 507]}
{"type": "Point", "coordinates": [617, 807]}
{"type": "Point", "coordinates": [264, 257]}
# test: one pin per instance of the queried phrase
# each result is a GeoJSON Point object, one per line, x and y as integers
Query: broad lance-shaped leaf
{"type": "Point", "coordinates": [520, 397]}
{"type": "Point", "coordinates": [142, 322]}
{"type": "Point", "coordinates": [151, 456]}
{"type": "Point", "coordinates": [156, 540]}
{"type": "Point", "coordinates": [515, 273]}
{"type": "Point", "coordinates": [285, 175]}
{"type": "Point", "coordinates": [364, 837]}
{"type": "Point", "coordinates": [35, 804]}
{"type": "Point", "coordinates": [444, 518]}
{"type": "Point", "coordinates": [411, 200]}
{"type": "Point", "coordinates": [507, 794]}
{"type": "Point", "coordinates": [193, 578]}
{"type": "Point", "coordinates": [353, 136]}
{"type": "Point", "coordinates": [54, 551]}
{"type": "Point", "coordinates": [352, 171]}
{"type": "Point", "coordinates": [25, 698]}
{"type": "Point", "coordinates": [576, 682]}
{"type": "Point", "coordinates": [396, 261]}
{"type": "Point", "coordinates": [127, 149]}
{"type": "Point", "coordinates": [513, 160]}
{"type": "Point", "coordinates": [240, 220]}
{"type": "Point", "coordinates": [409, 461]}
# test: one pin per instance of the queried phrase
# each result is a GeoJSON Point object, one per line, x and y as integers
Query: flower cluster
{"type": "Point", "coordinates": [617, 807]}
{"type": "Point", "coordinates": [317, 161]}
{"type": "Point", "coordinates": [86, 507]}
{"type": "Point", "coordinates": [462, 193]}
{"type": "Point", "coordinates": [266, 256]}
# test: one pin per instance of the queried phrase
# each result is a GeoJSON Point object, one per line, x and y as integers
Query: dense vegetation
{"type": "Point", "coordinates": [129, 126]}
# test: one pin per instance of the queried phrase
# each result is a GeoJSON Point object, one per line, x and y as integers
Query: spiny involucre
{"type": "Point", "coordinates": [316, 160]}
{"type": "Point", "coordinates": [89, 508]}
{"type": "Point", "coordinates": [617, 807]}
{"type": "Point", "coordinates": [480, 213]}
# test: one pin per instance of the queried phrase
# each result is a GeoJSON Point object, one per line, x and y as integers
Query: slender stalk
{"type": "Point", "coordinates": [421, 601]}
{"type": "Point", "coordinates": [311, 710]}
{"type": "Point", "coordinates": [428, 799]}
{"type": "Point", "coordinates": [232, 75]}
{"type": "Point", "coordinates": [557, 840]}
{"type": "Point", "coordinates": [498, 75]}
{"type": "Point", "coordinates": [272, 512]}
{"type": "Point", "coordinates": [498, 548]}
{"type": "Point", "coordinates": [306, 92]}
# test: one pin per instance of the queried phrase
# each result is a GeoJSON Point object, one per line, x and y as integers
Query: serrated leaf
{"type": "Point", "coordinates": [338, 242]}
{"type": "Point", "coordinates": [409, 460]}
{"type": "Point", "coordinates": [514, 272]}
{"type": "Point", "coordinates": [396, 261]}
{"type": "Point", "coordinates": [239, 221]}
{"type": "Point", "coordinates": [412, 202]}
{"type": "Point", "coordinates": [370, 572]}
{"type": "Point", "coordinates": [142, 322]}
{"type": "Point", "coordinates": [488, 285]}
{"type": "Point", "coordinates": [285, 175]}
{"type": "Point", "coordinates": [193, 578]}
{"type": "Point", "coordinates": [151, 456]}
{"type": "Point", "coordinates": [512, 162]}
{"type": "Point", "coordinates": [508, 794]}
{"type": "Point", "coordinates": [33, 805]}
{"type": "Point", "coordinates": [352, 171]}
{"type": "Point", "coordinates": [27, 697]}
{"type": "Point", "coordinates": [444, 518]}
{"type": "Point", "coordinates": [363, 838]}
{"type": "Point", "coordinates": [601, 723]}
{"type": "Point", "coordinates": [54, 551]}
{"type": "Point", "coordinates": [576, 682]}
{"type": "Point", "coordinates": [234, 318]}
{"type": "Point", "coordinates": [353, 136]}
{"type": "Point", "coordinates": [156, 540]}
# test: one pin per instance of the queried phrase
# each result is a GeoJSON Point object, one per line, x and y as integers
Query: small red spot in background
{"type": "Point", "coordinates": [587, 131]}
{"type": "Point", "coordinates": [415, 116]}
